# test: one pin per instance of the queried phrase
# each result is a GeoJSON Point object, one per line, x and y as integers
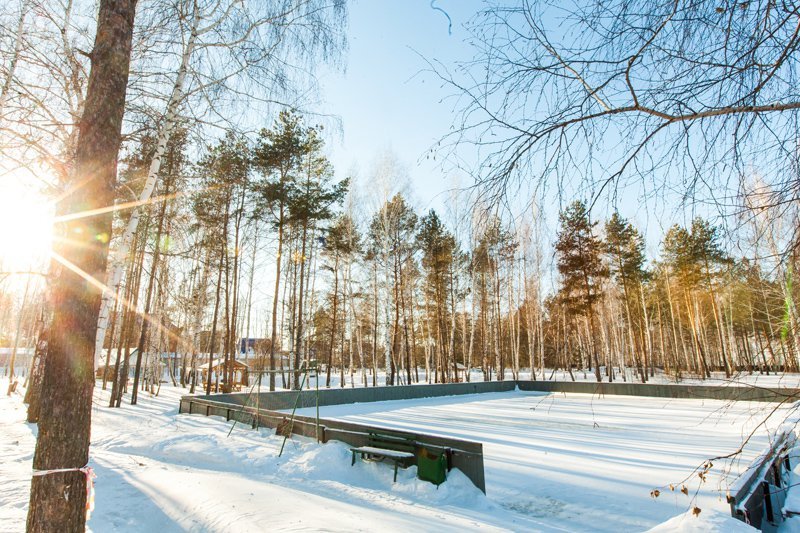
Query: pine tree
{"type": "Point", "coordinates": [581, 267]}
{"type": "Point", "coordinates": [219, 206]}
{"type": "Point", "coordinates": [624, 246]}
{"type": "Point", "coordinates": [391, 239]}
{"type": "Point", "coordinates": [440, 257]}
{"type": "Point", "coordinates": [340, 245]}
{"type": "Point", "coordinates": [311, 205]}
{"type": "Point", "coordinates": [278, 155]}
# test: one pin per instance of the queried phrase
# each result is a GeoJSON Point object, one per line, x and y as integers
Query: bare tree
{"type": "Point", "coordinates": [678, 95]}
{"type": "Point", "coordinates": [230, 52]}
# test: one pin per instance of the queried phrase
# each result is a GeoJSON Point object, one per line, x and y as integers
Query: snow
{"type": "Point", "coordinates": [160, 471]}
{"type": "Point", "coordinates": [705, 522]}
{"type": "Point", "coordinates": [553, 463]}
{"type": "Point", "coordinates": [588, 461]}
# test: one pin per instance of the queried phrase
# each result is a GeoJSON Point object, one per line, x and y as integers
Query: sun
{"type": "Point", "coordinates": [26, 224]}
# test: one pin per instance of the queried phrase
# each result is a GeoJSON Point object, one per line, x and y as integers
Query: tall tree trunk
{"type": "Point", "coordinates": [146, 318]}
{"type": "Point", "coordinates": [213, 340]}
{"type": "Point", "coordinates": [58, 487]}
{"type": "Point", "coordinates": [298, 345]}
{"type": "Point", "coordinates": [114, 322]}
{"type": "Point", "coordinates": [18, 329]}
{"type": "Point", "coordinates": [333, 321]}
{"type": "Point", "coordinates": [165, 131]}
{"type": "Point", "coordinates": [274, 334]}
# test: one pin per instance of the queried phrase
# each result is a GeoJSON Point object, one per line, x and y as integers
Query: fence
{"type": "Point", "coordinates": [757, 497]}
{"type": "Point", "coordinates": [465, 455]}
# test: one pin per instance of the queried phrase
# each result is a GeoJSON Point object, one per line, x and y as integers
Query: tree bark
{"type": "Point", "coordinates": [58, 499]}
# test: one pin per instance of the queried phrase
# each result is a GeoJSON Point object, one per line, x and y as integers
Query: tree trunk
{"type": "Point", "coordinates": [164, 136]}
{"type": "Point", "coordinates": [58, 499]}
{"type": "Point", "coordinates": [298, 345]}
{"type": "Point", "coordinates": [333, 321]}
{"type": "Point", "coordinates": [213, 340]}
{"type": "Point", "coordinates": [146, 318]}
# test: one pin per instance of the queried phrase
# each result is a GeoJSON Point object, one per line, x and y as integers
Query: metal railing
{"type": "Point", "coordinates": [757, 496]}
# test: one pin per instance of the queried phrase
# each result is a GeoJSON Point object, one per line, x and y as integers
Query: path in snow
{"type": "Point", "coordinates": [162, 472]}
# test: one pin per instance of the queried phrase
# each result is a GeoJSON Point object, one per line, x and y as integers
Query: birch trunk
{"type": "Point", "coordinates": [117, 260]}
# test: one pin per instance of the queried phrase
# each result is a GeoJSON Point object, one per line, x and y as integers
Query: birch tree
{"type": "Point", "coordinates": [231, 53]}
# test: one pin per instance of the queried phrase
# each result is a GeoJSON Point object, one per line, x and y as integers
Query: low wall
{"type": "Point", "coordinates": [284, 400]}
{"type": "Point", "coordinates": [465, 455]}
{"type": "Point", "coordinates": [704, 392]}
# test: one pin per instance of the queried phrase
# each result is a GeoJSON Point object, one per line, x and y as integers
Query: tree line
{"type": "Point", "coordinates": [394, 296]}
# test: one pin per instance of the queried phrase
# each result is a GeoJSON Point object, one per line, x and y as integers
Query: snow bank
{"type": "Point", "coordinates": [160, 471]}
{"type": "Point", "coordinates": [553, 463]}
{"type": "Point", "coordinates": [706, 522]}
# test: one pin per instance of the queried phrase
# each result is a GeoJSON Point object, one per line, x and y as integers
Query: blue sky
{"type": "Point", "coordinates": [385, 100]}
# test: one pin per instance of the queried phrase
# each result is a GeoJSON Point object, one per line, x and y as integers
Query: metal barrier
{"type": "Point", "coordinates": [758, 495]}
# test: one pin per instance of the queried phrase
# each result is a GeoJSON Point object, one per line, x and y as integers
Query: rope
{"type": "Point", "coordinates": [90, 477]}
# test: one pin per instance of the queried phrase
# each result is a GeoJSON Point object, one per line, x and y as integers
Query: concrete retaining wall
{"type": "Point", "coordinates": [285, 400]}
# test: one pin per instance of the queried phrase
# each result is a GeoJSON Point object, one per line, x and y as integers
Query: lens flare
{"type": "Point", "coordinates": [26, 222]}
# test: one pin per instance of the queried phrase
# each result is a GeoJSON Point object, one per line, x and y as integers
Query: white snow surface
{"type": "Point", "coordinates": [158, 471]}
{"type": "Point", "coordinates": [585, 462]}
{"type": "Point", "coordinates": [703, 522]}
{"type": "Point", "coordinates": [553, 463]}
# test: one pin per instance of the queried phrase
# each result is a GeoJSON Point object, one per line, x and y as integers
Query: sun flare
{"type": "Point", "coordinates": [26, 224]}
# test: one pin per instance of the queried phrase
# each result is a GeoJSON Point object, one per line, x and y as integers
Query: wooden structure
{"type": "Point", "coordinates": [240, 374]}
{"type": "Point", "coordinates": [399, 450]}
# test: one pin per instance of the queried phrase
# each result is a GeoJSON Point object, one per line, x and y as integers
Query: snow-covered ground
{"type": "Point", "coordinates": [741, 379]}
{"type": "Point", "coordinates": [553, 463]}
{"type": "Point", "coordinates": [160, 471]}
{"type": "Point", "coordinates": [586, 461]}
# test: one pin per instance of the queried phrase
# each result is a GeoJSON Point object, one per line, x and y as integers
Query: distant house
{"type": "Point", "coordinates": [21, 362]}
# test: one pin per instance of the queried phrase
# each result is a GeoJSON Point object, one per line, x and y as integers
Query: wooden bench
{"type": "Point", "coordinates": [399, 450]}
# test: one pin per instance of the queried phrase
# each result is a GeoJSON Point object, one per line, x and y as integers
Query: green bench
{"type": "Point", "coordinates": [399, 450]}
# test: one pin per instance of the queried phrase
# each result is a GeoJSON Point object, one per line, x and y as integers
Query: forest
{"type": "Point", "coordinates": [412, 296]}
{"type": "Point", "coordinates": [244, 243]}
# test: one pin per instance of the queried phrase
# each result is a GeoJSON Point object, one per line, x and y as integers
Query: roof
{"type": "Point", "coordinates": [221, 362]}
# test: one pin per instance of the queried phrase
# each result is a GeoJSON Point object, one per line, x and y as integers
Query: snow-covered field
{"type": "Point", "coordinates": [553, 463]}
{"type": "Point", "coordinates": [740, 379]}
{"type": "Point", "coordinates": [586, 461]}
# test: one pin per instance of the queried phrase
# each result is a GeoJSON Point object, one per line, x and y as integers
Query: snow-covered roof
{"type": "Point", "coordinates": [221, 362]}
